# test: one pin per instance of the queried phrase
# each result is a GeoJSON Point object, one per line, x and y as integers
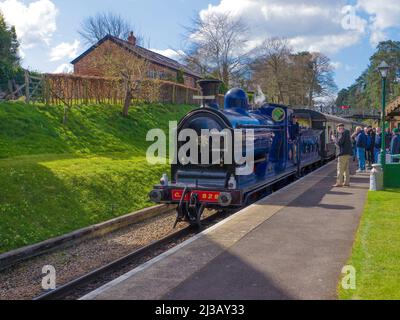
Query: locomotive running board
{"type": "Point", "coordinates": [250, 191]}
{"type": "Point", "coordinates": [272, 181]}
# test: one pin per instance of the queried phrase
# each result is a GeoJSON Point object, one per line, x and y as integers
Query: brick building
{"type": "Point", "coordinates": [160, 67]}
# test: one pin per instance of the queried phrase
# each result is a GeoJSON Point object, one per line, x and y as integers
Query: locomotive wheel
{"type": "Point", "coordinates": [194, 213]}
{"type": "Point", "coordinates": [190, 215]}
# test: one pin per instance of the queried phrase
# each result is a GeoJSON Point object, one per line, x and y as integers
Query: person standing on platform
{"type": "Point", "coordinates": [395, 144]}
{"type": "Point", "coordinates": [369, 149]}
{"type": "Point", "coordinates": [388, 139]}
{"type": "Point", "coordinates": [344, 150]}
{"type": "Point", "coordinates": [372, 147]}
{"type": "Point", "coordinates": [353, 146]}
{"type": "Point", "coordinates": [361, 142]}
{"type": "Point", "coordinates": [377, 144]}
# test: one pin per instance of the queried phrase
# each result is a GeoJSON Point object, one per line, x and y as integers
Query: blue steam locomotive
{"type": "Point", "coordinates": [282, 150]}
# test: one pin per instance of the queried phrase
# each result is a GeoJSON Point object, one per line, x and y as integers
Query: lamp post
{"type": "Point", "coordinates": [383, 69]}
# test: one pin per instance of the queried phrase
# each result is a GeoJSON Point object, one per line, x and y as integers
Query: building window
{"type": "Point", "coordinates": [152, 74]}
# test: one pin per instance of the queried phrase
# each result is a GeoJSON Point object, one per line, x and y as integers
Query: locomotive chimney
{"type": "Point", "coordinates": [209, 91]}
{"type": "Point", "coordinates": [132, 38]}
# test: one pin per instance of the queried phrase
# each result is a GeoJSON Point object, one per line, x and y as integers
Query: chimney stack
{"type": "Point", "coordinates": [132, 38]}
{"type": "Point", "coordinates": [209, 91]}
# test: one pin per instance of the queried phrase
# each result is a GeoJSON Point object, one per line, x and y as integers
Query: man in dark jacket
{"type": "Point", "coordinates": [395, 144]}
{"type": "Point", "coordinates": [370, 146]}
{"type": "Point", "coordinates": [361, 143]}
{"type": "Point", "coordinates": [344, 150]}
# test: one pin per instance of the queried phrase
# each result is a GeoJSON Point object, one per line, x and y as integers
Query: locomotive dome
{"type": "Point", "coordinates": [236, 98]}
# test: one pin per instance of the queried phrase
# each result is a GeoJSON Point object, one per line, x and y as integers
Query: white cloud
{"type": "Point", "coordinates": [329, 44]}
{"type": "Point", "coordinates": [383, 14]}
{"type": "Point", "coordinates": [65, 50]}
{"type": "Point", "coordinates": [64, 68]}
{"type": "Point", "coordinates": [35, 23]}
{"type": "Point", "coordinates": [170, 53]}
{"type": "Point", "coordinates": [320, 25]}
{"type": "Point", "coordinates": [336, 64]}
{"type": "Point", "coordinates": [21, 53]}
{"type": "Point", "coordinates": [314, 25]}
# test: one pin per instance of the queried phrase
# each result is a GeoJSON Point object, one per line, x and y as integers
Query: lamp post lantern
{"type": "Point", "coordinates": [383, 69]}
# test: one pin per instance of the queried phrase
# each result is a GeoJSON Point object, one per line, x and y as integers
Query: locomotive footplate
{"type": "Point", "coordinates": [177, 194]}
{"type": "Point", "coordinates": [192, 201]}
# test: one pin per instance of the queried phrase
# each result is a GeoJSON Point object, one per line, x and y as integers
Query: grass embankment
{"type": "Point", "coordinates": [376, 252]}
{"type": "Point", "coordinates": [55, 179]}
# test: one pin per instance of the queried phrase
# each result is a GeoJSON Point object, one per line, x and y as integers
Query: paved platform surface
{"type": "Point", "coordinates": [290, 245]}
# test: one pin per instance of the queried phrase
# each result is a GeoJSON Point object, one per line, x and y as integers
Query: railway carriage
{"type": "Point", "coordinates": [327, 123]}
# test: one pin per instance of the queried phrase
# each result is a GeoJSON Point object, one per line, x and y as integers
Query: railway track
{"type": "Point", "coordinates": [94, 279]}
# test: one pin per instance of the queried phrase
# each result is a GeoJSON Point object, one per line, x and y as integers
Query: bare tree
{"type": "Point", "coordinates": [96, 27]}
{"type": "Point", "coordinates": [320, 78]}
{"type": "Point", "coordinates": [127, 68]}
{"type": "Point", "coordinates": [292, 78]}
{"type": "Point", "coordinates": [216, 44]}
{"type": "Point", "coordinates": [271, 66]}
{"type": "Point", "coordinates": [298, 79]}
{"type": "Point", "coordinates": [196, 59]}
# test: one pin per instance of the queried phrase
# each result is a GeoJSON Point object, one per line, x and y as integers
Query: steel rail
{"type": "Point", "coordinates": [63, 290]}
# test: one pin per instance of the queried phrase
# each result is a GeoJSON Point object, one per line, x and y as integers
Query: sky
{"type": "Point", "coordinates": [345, 30]}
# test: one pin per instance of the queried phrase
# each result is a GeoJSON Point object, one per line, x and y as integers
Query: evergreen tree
{"type": "Point", "coordinates": [9, 59]}
{"type": "Point", "coordinates": [365, 93]}
{"type": "Point", "coordinates": [14, 46]}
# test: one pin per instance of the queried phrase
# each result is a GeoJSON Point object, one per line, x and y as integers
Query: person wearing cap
{"type": "Point", "coordinates": [395, 144]}
{"type": "Point", "coordinates": [344, 151]}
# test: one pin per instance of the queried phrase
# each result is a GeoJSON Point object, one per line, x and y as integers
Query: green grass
{"type": "Point", "coordinates": [55, 179]}
{"type": "Point", "coordinates": [28, 130]}
{"type": "Point", "coordinates": [376, 252]}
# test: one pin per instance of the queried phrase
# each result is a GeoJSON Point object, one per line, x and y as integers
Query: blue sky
{"type": "Point", "coordinates": [347, 31]}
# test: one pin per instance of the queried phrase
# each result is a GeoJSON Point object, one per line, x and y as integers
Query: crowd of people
{"type": "Point", "coordinates": [367, 144]}
{"type": "Point", "coordinates": [364, 145]}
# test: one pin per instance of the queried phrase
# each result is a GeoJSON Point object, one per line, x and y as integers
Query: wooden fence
{"type": "Point", "coordinates": [68, 89]}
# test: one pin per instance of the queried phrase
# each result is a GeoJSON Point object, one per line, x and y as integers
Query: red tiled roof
{"type": "Point", "coordinates": [144, 53]}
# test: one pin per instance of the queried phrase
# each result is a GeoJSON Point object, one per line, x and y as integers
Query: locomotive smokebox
{"type": "Point", "coordinates": [209, 91]}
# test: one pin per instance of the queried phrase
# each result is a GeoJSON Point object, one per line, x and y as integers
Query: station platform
{"type": "Point", "coordinates": [290, 245]}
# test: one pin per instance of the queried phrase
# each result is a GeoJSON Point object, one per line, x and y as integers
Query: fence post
{"type": "Point", "coordinates": [173, 93]}
{"type": "Point", "coordinates": [44, 90]}
{"type": "Point", "coordinates": [27, 98]}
